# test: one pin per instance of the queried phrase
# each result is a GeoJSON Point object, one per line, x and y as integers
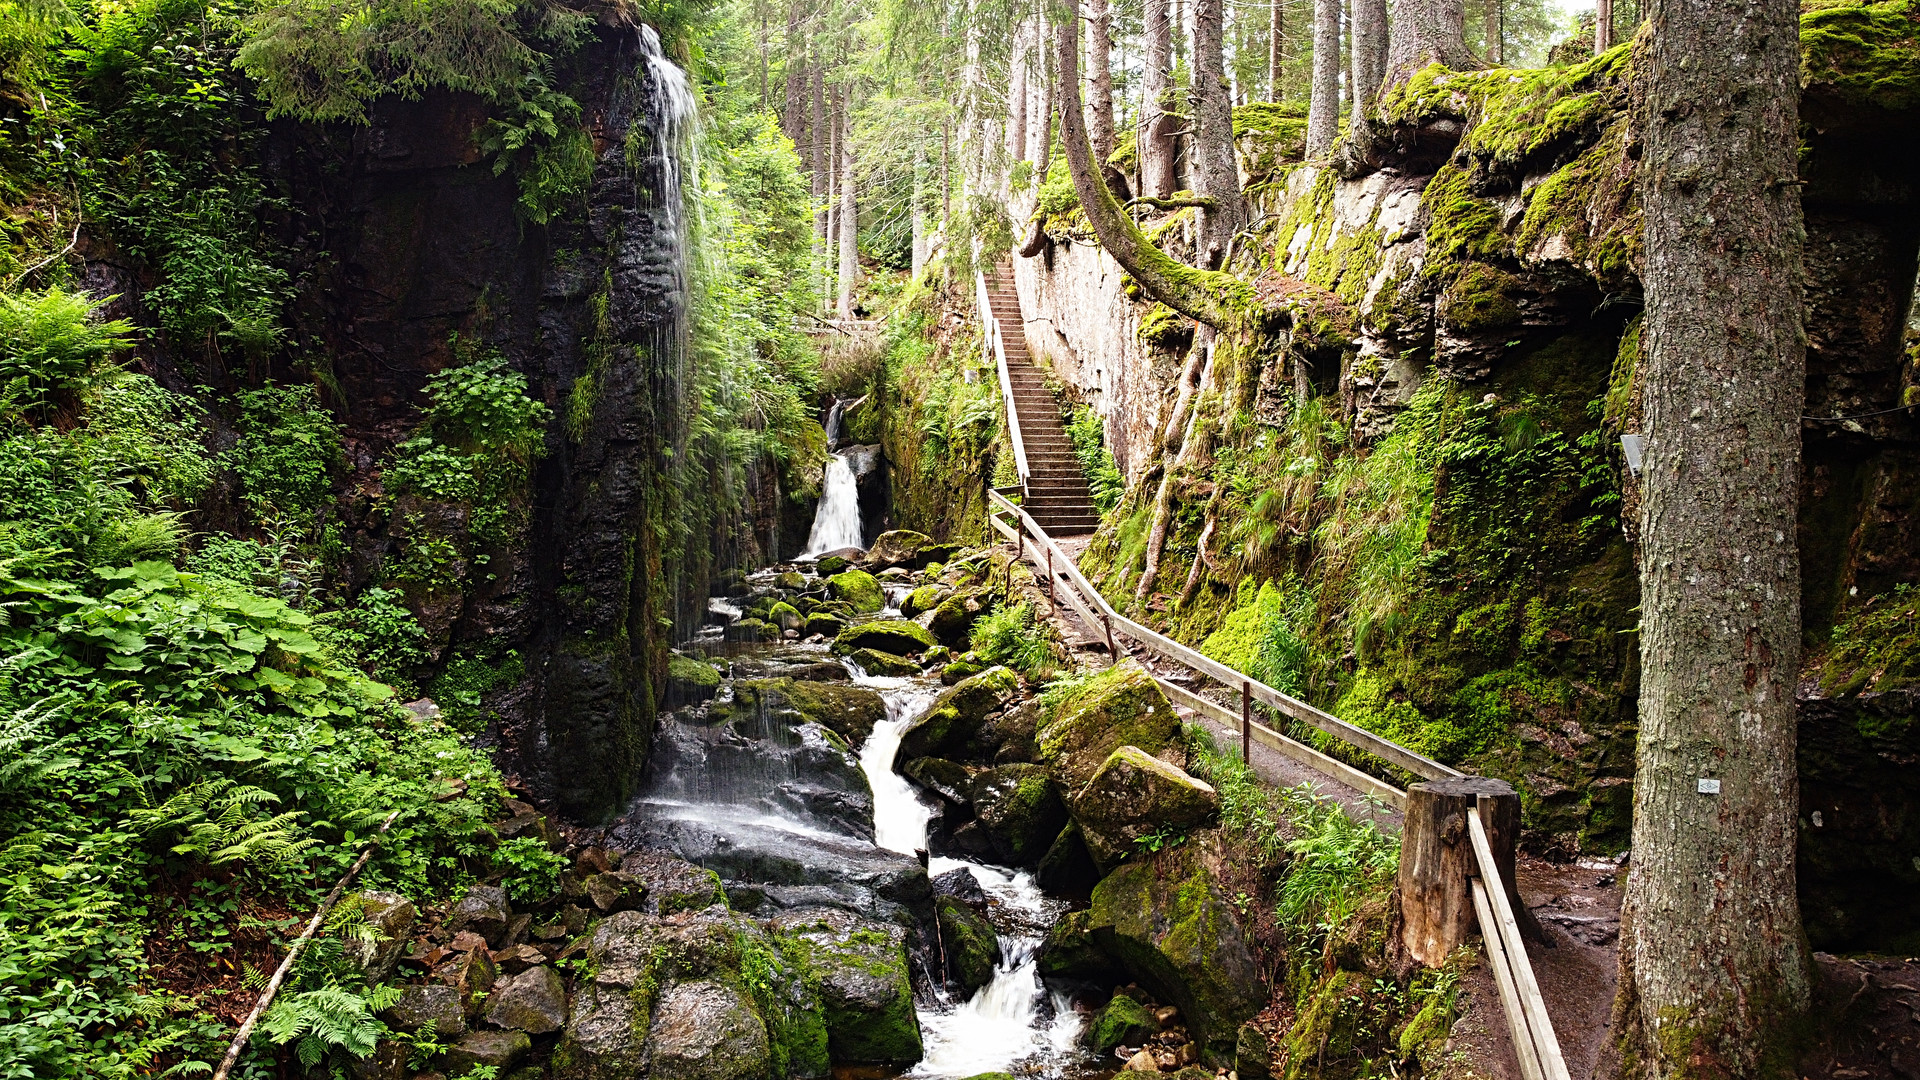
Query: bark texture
{"type": "Point", "coordinates": [1276, 24]}
{"type": "Point", "coordinates": [1100, 84]}
{"type": "Point", "coordinates": [1602, 26]}
{"type": "Point", "coordinates": [1323, 106]}
{"type": "Point", "coordinates": [1428, 32]}
{"type": "Point", "coordinates": [1216, 166]}
{"type": "Point", "coordinates": [849, 214]}
{"type": "Point", "coordinates": [1711, 935]}
{"type": "Point", "coordinates": [1369, 53]}
{"type": "Point", "coordinates": [1157, 152]}
{"type": "Point", "coordinates": [1017, 94]}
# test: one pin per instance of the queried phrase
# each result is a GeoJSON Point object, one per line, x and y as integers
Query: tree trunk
{"type": "Point", "coordinates": [818, 136]}
{"type": "Point", "coordinates": [919, 212]}
{"type": "Point", "coordinates": [1157, 155]}
{"type": "Point", "coordinates": [832, 174]}
{"type": "Point", "coordinates": [1497, 33]}
{"type": "Point", "coordinates": [849, 215]}
{"type": "Point", "coordinates": [1017, 96]}
{"type": "Point", "coordinates": [1043, 157]}
{"type": "Point", "coordinates": [1214, 298]}
{"type": "Point", "coordinates": [1216, 167]}
{"type": "Point", "coordinates": [1713, 958]}
{"type": "Point", "coordinates": [1437, 862]}
{"type": "Point", "coordinates": [1602, 26]}
{"type": "Point", "coordinates": [1427, 32]}
{"type": "Point", "coordinates": [793, 115]}
{"type": "Point", "coordinates": [1323, 107]}
{"type": "Point", "coordinates": [1369, 54]}
{"type": "Point", "coordinates": [1100, 58]}
{"type": "Point", "coordinates": [1276, 23]}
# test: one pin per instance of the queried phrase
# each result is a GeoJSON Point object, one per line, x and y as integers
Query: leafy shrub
{"type": "Point", "coordinates": [478, 444]}
{"type": "Point", "coordinates": [380, 630]}
{"type": "Point", "coordinates": [1336, 862]}
{"type": "Point", "coordinates": [1088, 432]}
{"type": "Point", "coordinates": [532, 869]}
{"type": "Point", "coordinates": [52, 341]}
{"type": "Point", "coordinates": [289, 447]}
{"type": "Point", "coordinates": [229, 558]}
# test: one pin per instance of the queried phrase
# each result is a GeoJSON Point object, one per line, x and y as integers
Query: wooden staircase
{"type": "Point", "coordinates": [1057, 494]}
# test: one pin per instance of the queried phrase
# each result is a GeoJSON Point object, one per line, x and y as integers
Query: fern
{"type": "Point", "coordinates": [27, 758]}
{"type": "Point", "coordinates": [216, 817]}
{"type": "Point", "coordinates": [332, 1017]}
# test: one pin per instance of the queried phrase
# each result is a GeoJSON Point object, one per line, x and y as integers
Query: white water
{"type": "Point", "coordinates": [1006, 1021]}
{"type": "Point", "coordinates": [836, 524]}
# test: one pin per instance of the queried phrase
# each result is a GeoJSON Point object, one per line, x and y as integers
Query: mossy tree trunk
{"type": "Point", "coordinates": [1216, 166]}
{"type": "Point", "coordinates": [1714, 958]}
{"type": "Point", "coordinates": [1427, 32]}
{"type": "Point", "coordinates": [1214, 298]}
{"type": "Point", "coordinates": [1323, 106]}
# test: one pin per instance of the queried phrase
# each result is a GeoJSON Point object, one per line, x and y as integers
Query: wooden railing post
{"type": "Point", "coordinates": [1437, 861]}
{"type": "Point", "coordinates": [1246, 723]}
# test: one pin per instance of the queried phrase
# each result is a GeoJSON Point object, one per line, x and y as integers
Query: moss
{"type": "Point", "coordinates": [969, 943]}
{"type": "Point", "coordinates": [1863, 54]}
{"type": "Point", "coordinates": [1164, 328]}
{"type": "Point", "coordinates": [859, 588]}
{"type": "Point", "coordinates": [1327, 1025]}
{"type": "Point", "coordinates": [1123, 1022]}
{"type": "Point", "coordinates": [1121, 706]}
{"type": "Point", "coordinates": [1875, 647]}
{"type": "Point", "coordinates": [1481, 298]}
{"type": "Point", "coordinates": [1461, 226]}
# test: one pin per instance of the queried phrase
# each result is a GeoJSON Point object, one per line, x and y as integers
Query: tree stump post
{"type": "Point", "coordinates": [1437, 863]}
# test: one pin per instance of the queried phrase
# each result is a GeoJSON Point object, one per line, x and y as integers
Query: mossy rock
{"type": "Point", "coordinates": [690, 680]}
{"type": "Point", "coordinates": [1329, 1022]}
{"type": "Point", "coordinates": [750, 629]}
{"type": "Point", "coordinates": [896, 548]}
{"type": "Point", "coordinates": [896, 636]}
{"type": "Point", "coordinates": [924, 599]}
{"type": "Point", "coordinates": [990, 1076]}
{"type": "Point", "coordinates": [958, 713]}
{"type": "Point", "coordinates": [1134, 795]}
{"type": "Point", "coordinates": [953, 619]}
{"type": "Point", "coordinates": [948, 779]}
{"type": "Point", "coordinates": [1168, 921]}
{"type": "Point", "coordinates": [707, 1030]}
{"type": "Point", "coordinates": [860, 589]}
{"type": "Point", "coordinates": [1480, 300]}
{"type": "Point", "coordinates": [825, 624]}
{"type": "Point", "coordinates": [965, 667]}
{"type": "Point", "coordinates": [847, 711]}
{"type": "Point", "coordinates": [1070, 954]}
{"type": "Point", "coordinates": [786, 617]}
{"type": "Point", "coordinates": [1019, 810]}
{"type": "Point", "coordinates": [866, 996]}
{"type": "Point", "coordinates": [875, 662]}
{"type": "Point", "coordinates": [792, 580]}
{"type": "Point", "coordinates": [1121, 706]}
{"type": "Point", "coordinates": [1123, 1022]}
{"type": "Point", "coordinates": [972, 947]}
{"type": "Point", "coordinates": [831, 565]}
{"type": "Point", "coordinates": [1253, 1053]}
{"type": "Point", "coordinates": [1067, 869]}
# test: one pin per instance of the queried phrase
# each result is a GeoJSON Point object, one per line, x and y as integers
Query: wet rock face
{"type": "Point", "coordinates": [707, 1031]}
{"type": "Point", "coordinates": [1134, 795]}
{"type": "Point", "coordinates": [865, 991]}
{"type": "Point", "coordinates": [1859, 813]}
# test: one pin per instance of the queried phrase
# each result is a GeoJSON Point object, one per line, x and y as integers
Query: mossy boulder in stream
{"type": "Point", "coordinates": [1071, 954]}
{"type": "Point", "coordinates": [866, 996]}
{"type": "Point", "coordinates": [859, 588]}
{"type": "Point", "coordinates": [1123, 1022]}
{"type": "Point", "coordinates": [690, 681]}
{"type": "Point", "coordinates": [1019, 810]}
{"type": "Point", "coordinates": [952, 621]}
{"type": "Point", "coordinates": [896, 636]}
{"type": "Point", "coordinates": [847, 711]}
{"type": "Point", "coordinates": [875, 662]}
{"type": "Point", "coordinates": [972, 948]}
{"type": "Point", "coordinates": [945, 728]}
{"type": "Point", "coordinates": [786, 616]}
{"type": "Point", "coordinates": [707, 1030]}
{"type": "Point", "coordinates": [1169, 922]}
{"type": "Point", "coordinates": [897, 548]}
{"type": "Point", "coordinates": [1135, 795]}
{"type": "Point", "coordinates": [1121, 706]}
{"type": "Point", "coordinates": [924, 599]}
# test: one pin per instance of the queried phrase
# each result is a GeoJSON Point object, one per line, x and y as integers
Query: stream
{"type": "Point", "coordinates": [769, 802]}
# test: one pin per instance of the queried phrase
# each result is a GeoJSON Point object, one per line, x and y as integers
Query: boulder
{"type": "Point", "coordinates": [859, 588]}
{"type": "Point", "coordinates": [483, 911]}
{"type": "Point", "coordinates": [949, 780]}
{"type": "Point", "coordinates": [961, 885]}
{"type": "Point", "coordinates": [1019, 810]}
{"type": "Point", "coordinates": [1123, 1022]}
{"type": "Point", "coordinates": [750, 629]}
{"type": "Point", "coordinates": [966, 667]}
{"type": "Point", "coordinates": [825, 623]}
{"type": "Point", "coordinates": [791, 580]}
{"type": "Point", "coordinates": [533, 1001]}
{"type": "Point", "coordinates": [972, 948]}
{"type": "Point", "coordinates": [392, 916]}
{"type": "Point", "coordinates": [829, 565]}
{"type": "Point", "coordinates": [1253, 1053]}
{"type": "Point", "coordinates": [930, 557]}
{"type": "Point", "coordinates": [671, 884]}
{"type": "Point", "coordinates": [387, 1062]}
{"type": "Point", "coordinates": [616, 891]}
{"type": "Point", "coordinates": [1070, 954]}
{"type": "Point", "coordinates": [865, 992]}
{"type": "Point", "coordinates": [498, 1050]}
{"type": "Point", "coordinates": [848, 711]}
{"type": "Point", "coordinates": [1168, 921]}
{"type": "Point", "coordinates": [1066, 869]}
{"type": "Point", "coordinates": [1121, 706]}
{"type": "Point", "coordinates": [1009, 737]}
{"type": "Point", "coordinates": [957, 714]}
{"type": "Point", "coordinates": [690, 681]}
{"type": "Point", "coordinates": [1133, 795]}
{"type": "Point", "coordinates": [428, 1007]}
{"type": "Point", "coordinates": [923, 599]}
{"type": "Point", "coordinates": [877, 663]}
{"type": "Point", "coordinates": [706, 1030]}
{"type": "Point", "coordinates": [895, 548]}
{"type": "Point", "coordinates": [604, 1037]}
{"type": "Point", "coordinates": [952, 622]}
{"type": "Point", "coordinates": [896, 636]}
{"type": "Point", "coordinates": [786, 617]}
{"type": "Point", "coordinates": [471, 975]}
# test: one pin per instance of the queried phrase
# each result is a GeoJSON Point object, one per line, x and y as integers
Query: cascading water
{"type": "Point", "coordinates": [1012, 1018]}
{"type": "Point", "coordinates": [836, 524]}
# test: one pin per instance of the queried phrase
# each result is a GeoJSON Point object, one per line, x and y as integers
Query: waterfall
{"type": "Point", "coordinates": [1013, 1018]}
{"type": "Point", "coordinates": [836, 524]}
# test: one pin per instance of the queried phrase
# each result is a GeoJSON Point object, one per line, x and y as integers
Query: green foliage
{"type": "Point", "coordinates": [381, 631]}
{"type": "Point", "coordinates": [1009, 635]}
{"type": "Point", "coordinates": [214, 822]}
{"type": "Point", "coordinates": [319, 1021]}
{"type": "Point", "coordinates": [531, 869]}
{"type": "Point", "coordinates": [478, 444]}
{"type": "Point", "coordinates": [288, 451]}
{"type": "Point", "coordinates": [1336, 862]}
{"type": "Point", "coordinates": [557, 165]}
{"type": "Point", "coordinates": [51, 341]}
{"type": "Point", "coordinates": [1088, 432]}
{"type": "Point", "coordinates": [1875, 647]}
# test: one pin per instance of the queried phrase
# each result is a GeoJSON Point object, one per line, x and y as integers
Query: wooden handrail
{"type": "Point", "coordinates": [996, 344]}
{"type": "Point", "coordinates": [1529, 1021]}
